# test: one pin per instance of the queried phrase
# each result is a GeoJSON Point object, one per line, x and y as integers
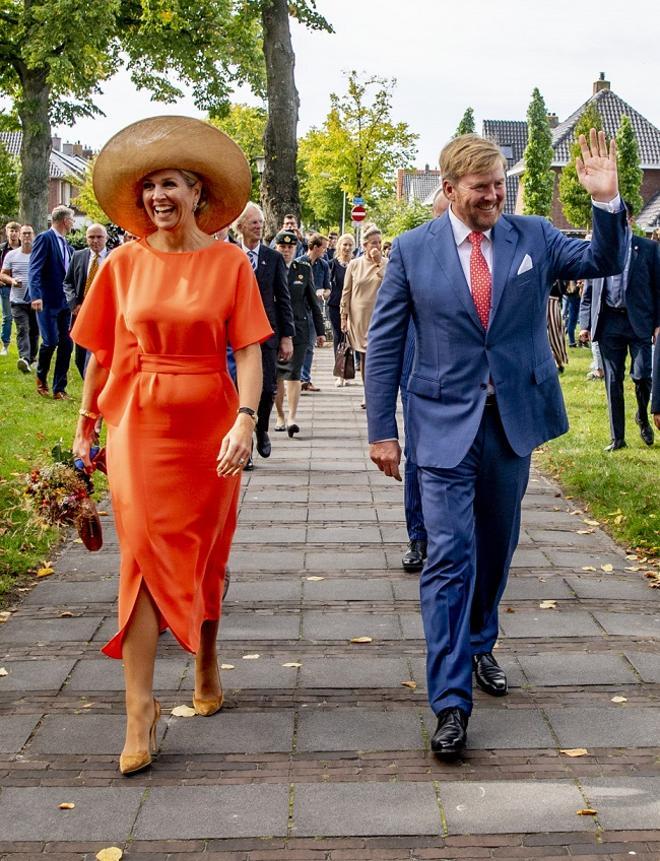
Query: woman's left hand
{"type": "Point", "coordinates": [375, 256]}
{"type": "Point", "coordinates": [236, 447]}
{"type": "Point", "coordinates": [320, 340]}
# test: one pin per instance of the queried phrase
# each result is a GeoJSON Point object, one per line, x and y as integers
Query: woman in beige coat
{"type": "Point", "coordinates": [363, 277]}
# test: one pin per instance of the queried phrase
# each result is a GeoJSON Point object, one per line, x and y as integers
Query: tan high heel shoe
{"type": "Point", "coordinates": [208, 707]}
{"type": "Point", "coordinates": [130, 763]}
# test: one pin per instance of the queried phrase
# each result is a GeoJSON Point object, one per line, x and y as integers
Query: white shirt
{"type": "Point", "coordinates": [464, 246]}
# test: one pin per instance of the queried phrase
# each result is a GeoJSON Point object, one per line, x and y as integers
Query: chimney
{"type": "Point", "coordinates": [77, 149]}
{"type": "Point", "coordinates": [553, 121]}
{"type": "Point", "coordinates": [426, 168]}
{"type": "Point", "coordinates": [56, 143]}
{"type": "Point", "coordinates": [601, 84]}
{"type": "Point", "coordinates": [67, 149]}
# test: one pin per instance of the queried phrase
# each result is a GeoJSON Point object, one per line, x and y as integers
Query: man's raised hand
{"type": "Point", "coordinates": [596, 168]}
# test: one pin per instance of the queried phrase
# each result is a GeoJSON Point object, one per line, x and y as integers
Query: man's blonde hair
{"type": "Point", "coordinates": [469, 154]}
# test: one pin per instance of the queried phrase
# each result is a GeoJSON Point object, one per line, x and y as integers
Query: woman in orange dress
{"type": "Point", "coordinates": [157, 321]}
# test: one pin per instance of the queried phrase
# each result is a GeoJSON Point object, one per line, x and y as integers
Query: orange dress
{"type": "Point", "coordinates": [160, 323]}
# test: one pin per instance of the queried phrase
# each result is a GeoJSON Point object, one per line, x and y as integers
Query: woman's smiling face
{"type": "Point", "coordinates": [168, 199]}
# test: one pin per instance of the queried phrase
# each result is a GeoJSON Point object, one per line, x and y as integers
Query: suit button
{"type": "Point", "coordinates": [483, 386]}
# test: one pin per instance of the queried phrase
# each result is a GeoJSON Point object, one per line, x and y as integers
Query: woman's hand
{"type": "Point", "coordinates": [236, 447]}
{"type": "Point", "coordinates": [374, 254]}
{"type": "Point", "coordinates": [320, 340]}
{"type": "Point", "coordinates": [84, 439]}
{"type": "Point", "coordinates": [344, 324]}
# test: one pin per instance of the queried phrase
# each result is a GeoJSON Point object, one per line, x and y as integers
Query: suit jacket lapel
{"type": "Point", "coordinates": [505, 240]}
{"type": "Point", "coordinates": [443, 247]}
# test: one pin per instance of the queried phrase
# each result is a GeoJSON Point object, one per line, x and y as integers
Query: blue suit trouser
{"type": "Point", "coordinates": [306, 373]}
{"type": "Point", "coordinates": [412, 497]}
{"type": "Point", "coordinates": [472, 516]}
{"type": "Point", "coordinates": [54, 330]}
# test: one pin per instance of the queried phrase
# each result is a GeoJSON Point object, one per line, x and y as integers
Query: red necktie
{"type": "Point", "coordinates": [480, 278]}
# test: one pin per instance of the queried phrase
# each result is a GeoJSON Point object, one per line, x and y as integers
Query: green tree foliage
{"type": "Point", "coordinates": [575, 201]}
{"type": "Point", "coordinates": [630, 173]}
{"type": "Point", "coordinates": [538, 179]}
{"type": "Point", "coordinates": [466, 125]}
{"type": "Point", "coordinates": [9, 173]}
{"type": "Point", "coordinates": [246, 125]}
{"type": "Point", "coordinates": [85, 199]}
{"type": "Point", "coordinates": [357, 150]}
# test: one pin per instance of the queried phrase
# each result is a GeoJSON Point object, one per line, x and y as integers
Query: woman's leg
{"type": "Point", "coordinates": [363, 366]}
{"type": "Point", "coordinates": [293, 397]}
{"type": "Point", "coordinates": [207, 675]}
{"type": "Point", "coordinates": [279, 401]}
{"type": "Point", "coordinates": [139, 657]}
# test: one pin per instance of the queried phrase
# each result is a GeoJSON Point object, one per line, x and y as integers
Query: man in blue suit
{"type": "Point", "coordinates": [482, 394]}
{"type": "Point", "coordinates": [49, 262]}
{"type": "Point", "coordinates": [622, 314]}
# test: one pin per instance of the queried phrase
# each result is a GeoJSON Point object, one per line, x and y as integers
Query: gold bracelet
{"type": "Point", "coordinates": [88, 414]}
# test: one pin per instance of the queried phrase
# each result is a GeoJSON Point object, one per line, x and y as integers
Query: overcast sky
{"type": "Point", "coordinates": [488, 54]}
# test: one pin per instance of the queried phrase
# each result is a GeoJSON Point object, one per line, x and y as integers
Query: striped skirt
{"type": "Point", "coordinates": [557, 332]}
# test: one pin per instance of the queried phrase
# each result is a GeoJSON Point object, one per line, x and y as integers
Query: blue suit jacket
{"type": "Point", "coordinates": [454, 356]}
{"type": "Point", "coordinates": [642, 292]}
{"type": "Point", "coordinates": [46, 273]}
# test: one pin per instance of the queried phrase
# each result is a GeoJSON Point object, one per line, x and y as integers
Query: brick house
{"type": "Point", "coordinates": [611, 108]}
{"type": "Point", "coordinates": [66, 161]}
{"type": "Point", "coordinates": [420, 185]}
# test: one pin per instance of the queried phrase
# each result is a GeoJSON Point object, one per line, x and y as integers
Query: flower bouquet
{"type": "Point", "coordinates": [60, 494]}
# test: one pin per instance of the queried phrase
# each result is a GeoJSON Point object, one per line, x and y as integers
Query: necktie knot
{"type": "Point", "coordinates": [475, 238]}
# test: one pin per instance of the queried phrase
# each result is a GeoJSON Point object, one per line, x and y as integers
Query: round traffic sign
{"type": "Point", "coordinates": [358, 213]}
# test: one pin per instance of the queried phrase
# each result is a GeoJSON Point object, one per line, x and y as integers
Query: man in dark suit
{"type": "Point", "coordinates": [271, 277]}
{"type": "Point", "coordinates": [622, 313]}
{"type": "Point", "coordinates": [50, 258]}
{"type": "Point", "coordinates": [482, 394]}
{"type": "Point", "coordinates": [655, 394]}
{"type": "Point", "coordinates": [79, 277]}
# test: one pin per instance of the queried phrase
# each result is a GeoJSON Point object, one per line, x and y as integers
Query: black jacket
{"type": "Point", "coordinates": [272, 281]}
{"type": "Point", "coordinates": [303, 299]}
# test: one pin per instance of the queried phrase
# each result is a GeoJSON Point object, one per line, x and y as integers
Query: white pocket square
{"type": "Point", "coordinates": [526, 265]}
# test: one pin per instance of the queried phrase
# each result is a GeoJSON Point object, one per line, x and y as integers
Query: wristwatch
{"type": "Point", "coordinates": [248, 412]}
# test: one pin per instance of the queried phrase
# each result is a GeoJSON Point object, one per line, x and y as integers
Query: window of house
{"type": "Point", "coordinates": [507, 151]}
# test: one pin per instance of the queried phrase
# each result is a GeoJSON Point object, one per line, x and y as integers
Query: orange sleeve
{"type": "Point", "coordinates": [248, 323]}
{"type": "Point", "coordinates": [97, 321]}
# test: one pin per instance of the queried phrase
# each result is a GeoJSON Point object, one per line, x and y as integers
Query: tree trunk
{"type": "Point", "coordinates": [279, 185]}
{"type": "Point", "coordinates": [35, 149]}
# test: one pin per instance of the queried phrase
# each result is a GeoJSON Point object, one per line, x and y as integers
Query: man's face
{"type": "Point", "coordinates": [13, 235]}
{"type": "Point", "coordinates": [332, 240]}
{"type": "Point", "coordinates": [288, 252]}
{"type": "Point", "coordinates": [289, 224]}
{"type": "Point", "coordinates": [27, 237]}
{"type": "Point", "coordinates": [252, 227]}
{"type": "Point", "coordinates": [96, 239]}
{"type": "Point", "coordinates": [317, 251]}
{"type": "Point", "coordinates": [478, 198]}
{"type": "Point", "coordinates": [68, 224]}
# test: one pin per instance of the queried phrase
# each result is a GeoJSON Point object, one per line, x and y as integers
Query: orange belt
{"type": "Point", "coordinates": [160, 363]}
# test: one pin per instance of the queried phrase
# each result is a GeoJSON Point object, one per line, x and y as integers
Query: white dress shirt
{"type": "Point", "coordinates": [461, 232]}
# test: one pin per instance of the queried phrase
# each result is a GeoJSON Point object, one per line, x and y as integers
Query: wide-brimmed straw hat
{"type": "Point", "coordinates": [160, 143]}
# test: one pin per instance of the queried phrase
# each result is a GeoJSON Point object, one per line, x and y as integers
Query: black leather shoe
{"type": "Point", "coordinates": [645, 430]}
{"type": "Point", "coordinates": [615, 445]}
{"type": "Point", "coordinates": [413, 558]}
{"type": "Point", "coordinates": [451, 733]}
{"type": "Point", "coordinates": [249, 466]}
{"type": "Point", "coordinates": [489, 675]}
{"type": "Point", "coordinates": [263, 444]}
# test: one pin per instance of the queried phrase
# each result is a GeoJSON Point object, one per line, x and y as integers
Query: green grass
{"type": "Point", "coordinates": [29, 428]}
{"type": "Point", "coordinates": [621, 489]}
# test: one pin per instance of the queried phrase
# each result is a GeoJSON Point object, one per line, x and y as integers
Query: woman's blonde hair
{"type": "Point", "coordinates": [469, 154]}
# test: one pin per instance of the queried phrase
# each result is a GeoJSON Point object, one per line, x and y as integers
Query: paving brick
{"type": "Point", "coordinates": [35, 675]}
{"type": "Point", "coordinates": [345, 560]}
{"type": "Point", "coordinates": [105, 675]}
{"type": "Point", "coordinates": [638, 625]}
{"type": "Point", "coordinates": [231, 732]}
{"type": "Point", "coordinates": [218, 811]}
{"type": "Point", "coordinates": [261, 675]}
{"type": "Point", "coordinates": [15, 731]}
{"type": "Point", "coordinates": [250, 561]}
{"type": "Point", "coordinates": [61, 593]}
{"type": "Point", "coordinates": [549, 623]}
{"type": "Point", "coordinates": [608, 588]}
{"type": "Point", "coordinates": [625, 802]}
{"type": "Point", "coordinates": [259, 626]}
{"type": "Point", "coordinates": [357, 672]}
{"type": "Point", "coordinates": [501, 807]}
{"type": "Point", "coordinates": [647, 665]}
{"type": "Point", "coordinates": [255, 591]}
{"type": "Point", "coordinates": [276, 535]}
{"type": "Point", "coordinates": [535, 588]}
{"type": "Point", "coordinates": [576, 668]}
{"type": "Point", "coordinates": [503, 729]}
{"type": "Point", "coordinates": [346, 809]}
{"type": "Point", "coordinates": [348, 589]}
{"type": "Point", "coordinates": [369, 729]}
{"type": "Point", "coordinates": [611, 726]}
{"type": "Point", "coordinates": [103, 814]}
{"type": "Point", "coordinates": [343, 535]}
{"type": "Point", "coordinates": [318, 625]}
{"type": "Point", "coordinates": [90, 734]}
{"type": "Point", "coordinates": [21, 630]}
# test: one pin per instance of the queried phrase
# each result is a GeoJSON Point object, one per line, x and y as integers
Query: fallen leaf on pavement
{"type": "Point", "coordinates": [227, 667]}
{"type": "Point", "coordinates": [631, 568]}
{"type": "Point", "coordinates": [102, 513]}
{"type": "Point", "coordinates": [79, 541]}
{"type": "Point", "coordinates": [607, 567]}
{"type": "Point", "coordinates": [89, 705]}
{"type": "Point", "coordinates": [251, 657]}
{"type": "Point", "coordinates": [4, 615]}
{"type": "Point", "coordinates": [587, 811]}
{"type": "Point", "coordinates": [592, 522]}
{"type": "Point", "coordinates": [548, 605]}
{"type": "Point", "coordinates": [183, 711]}
{"type": "Point", "coordinates": [619, 699]}
{"type": "Point", "coordinates": [588, 568]}
{"type": "Point", "coordinates": [411, 685]}
{"type": "Point", "coordinates": [361, 640]}
{"type": "Point", "coordinates": [575, 751]}
{"type": "Point", "coordinates": [510, 610]}
{"type": "Point", "coordinates": [314, 579]}
{"type": "Point", "coordinates": [66, 805]}
{"type": "Point", "coordinates": [112, 853]}
{"type": "Point", "coordinates": [586, 531]}
{"type": "Point", "coordinates": [45, 572]}
{"type": "Point", "coordinates": [67, 614]}
{"type": "Point", "coordinates": [292, 664]}
{"type": "Point", "coordinates": [3, 672]}
{"type": "Point", "coordinates": [631, 556]}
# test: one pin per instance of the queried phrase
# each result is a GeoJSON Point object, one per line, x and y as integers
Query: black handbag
{"type": "Point", "coordinates": [344, 361]}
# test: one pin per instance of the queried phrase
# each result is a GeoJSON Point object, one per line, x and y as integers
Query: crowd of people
{"type": "Point", "coordinates": [188, 333]}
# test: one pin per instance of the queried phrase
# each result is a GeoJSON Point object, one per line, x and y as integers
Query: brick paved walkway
{"type": "Point", "coordinates": [322, 751]}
